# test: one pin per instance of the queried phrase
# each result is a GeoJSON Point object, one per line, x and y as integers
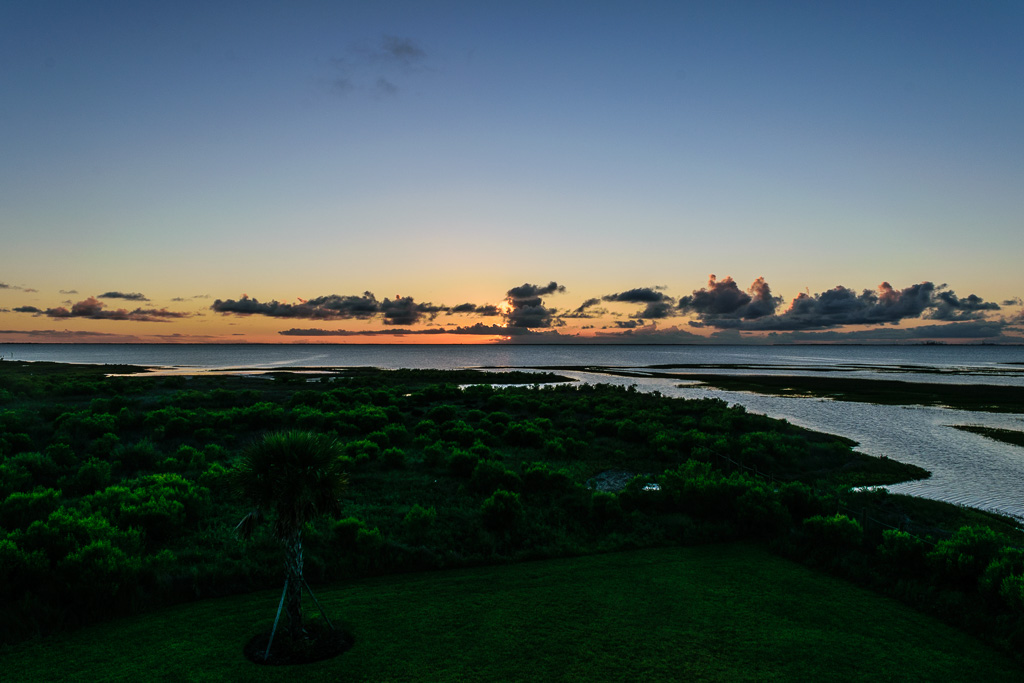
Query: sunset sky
{"type": "Point", "coordinates": [467, 172]}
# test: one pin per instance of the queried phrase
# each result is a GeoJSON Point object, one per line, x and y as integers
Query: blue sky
{"type": "Point", "coordinates": [451, 151]}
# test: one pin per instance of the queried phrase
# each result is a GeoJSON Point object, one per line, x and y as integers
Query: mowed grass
{"type": "Point", "coordinates": [729, 612]}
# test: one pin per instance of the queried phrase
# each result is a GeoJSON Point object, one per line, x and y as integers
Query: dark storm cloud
{"type": "Point", "coordinates": [318, 332]}
{"type": "Point", "coordinates": [948, 306]}
{"type": "Point", "coordinates": [134, 296]}
{"type": "Point", "coordinates": [842, 306]}
{"type": "Point", "coordinates": [94, 309]}
{"type": "Point", "coordinates": [526, 307]}
{"type": "Point", "coordinates": [397, 311]}
{"type": "Point", "coordinates": [724, 300]}
{"type": "Point", "coordinates": [657, 310]}
{"type": "Point", "coordinates": [723, 305]}
{"type": "Point", "coordinates": [477, 329]}
{"type": "Point", "coordinates": [405, 311]}
{"type": "Point", "coordinates": [527, 291]}
{"type": "Point", "coordinates": [484, 310]}
{"type": "Point", "coordinates": [659, 305]}
{"type": "Point", "coordinates": [640, 295]}
{"type": "Point", "coordinates": [320, 308]}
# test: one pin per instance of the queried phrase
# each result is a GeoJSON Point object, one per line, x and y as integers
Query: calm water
{"type": "Point", "coordinates": [966, 468]}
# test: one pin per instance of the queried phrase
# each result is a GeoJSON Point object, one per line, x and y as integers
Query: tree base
{"type": "Point", "coordinates": [320, 643]}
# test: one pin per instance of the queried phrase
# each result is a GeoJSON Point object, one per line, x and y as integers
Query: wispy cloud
{"type": "Point", "coordinates": [134, 296]}
{"type": "Point", "coordinates": [379, 68]}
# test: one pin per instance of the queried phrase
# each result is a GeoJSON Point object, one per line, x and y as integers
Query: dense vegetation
{"type": "Point", "coordinates": [115, 499]}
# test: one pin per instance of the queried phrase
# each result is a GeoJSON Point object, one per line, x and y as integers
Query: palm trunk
{"type": "Point", "coordinates": [293, 573]}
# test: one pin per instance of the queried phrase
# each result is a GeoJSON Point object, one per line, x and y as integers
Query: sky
{"type": "Point", "coordinates": [480, 172]}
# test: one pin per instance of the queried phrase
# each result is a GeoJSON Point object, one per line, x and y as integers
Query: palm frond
{"type": "Point", "coordinates": [247, 526]}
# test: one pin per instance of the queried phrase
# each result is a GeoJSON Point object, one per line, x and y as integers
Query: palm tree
{"type": "Point", "coordinates": [291, 477]}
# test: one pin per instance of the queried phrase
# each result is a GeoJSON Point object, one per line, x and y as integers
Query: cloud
{"type": "Point", "coordinates": [386, 87]}
{"type": "Point", "coordinates": [485, 310]}
{"type": "Point", "coordinates": [722, 301]}
{"type": "Point", "coordinates": [640, 295]}
{"type": "Point", "coordinates": [649, 334]}
{"type": "Point", "coordinates": [405, 311]}
{"type": "Point", "coordinates": [134, 296]}
{"type": "Point", "coordinates": [68, 291]}
{"type": "Point", "coordinates": [377, 69]}
{"type": "Point", "coordinates": [525, 306]}
{"type": "Point", "coordinates": [974, 329]}
{"type": "Point", "coordinates": [723, 306]}
{"type": "Point", "coordinates": [658, 304]}
{"type": "Point", "coordinates": [397, 311]}
{"type": "Point", "coordinates": [402, 50]}
{"type": "Point", "coordinates": [947, 306]}
{"type": "Point", "coordinates": [586, 310]}
{"type": "Point", "coordinates": [27, 309]}
{"type": "Point", "coordinates": [4, 285]}
{"type": "Point", "coordinates": [477, 329]}
{"type": "Point", "coordinates": [1015, 301]}
{"type": "Point", "coordinates": [94, 309]}
{"type": "Point", "coordinates": [321, 308]}
{"type": "Point", "coordinates": [66, 334]}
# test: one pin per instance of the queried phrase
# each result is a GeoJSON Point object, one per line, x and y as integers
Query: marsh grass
{"type": "Point", "coordinates": [729, 612]}
{"type": "Point", "coordinates": [1010, 436]}
{"type": "Point", "coordinates": [988, 398]}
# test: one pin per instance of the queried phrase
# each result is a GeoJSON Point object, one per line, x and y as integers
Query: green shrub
{"type": "Point", "coordinates": [489, 475]}
{"type": "Point", "coordinates": [902, 553]}
{"type": "Point", "coordinates": [461, 464]}
{"type": "Point", "coordinates": [419, 521]}
{"type": "Point", "coordinates": [393, 457]}
{"type": "Point", "coordinates": [1008, 562]}
{"type": "Point", "coordinates": [962, 558]}
{"type": "Point", "coordinates": [22, 508]}
{"type": "Point", "coordinates": [835, 533]}
{"type": "Point", "coordinates": [502, 512]}
{"type": "Point", "coordinates": [362, 450]}
{"type": "Point", "coordinates": [346, 531]}
{"type": "Point", "coordinates": [539, 477]}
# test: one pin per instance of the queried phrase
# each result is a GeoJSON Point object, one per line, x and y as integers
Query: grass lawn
{"type": "Point", "coordinates": [728, 612]}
